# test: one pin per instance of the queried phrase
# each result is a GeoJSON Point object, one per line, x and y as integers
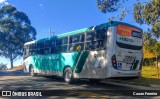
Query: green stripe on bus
{"type": "Point", "coordinates": [82, 61]}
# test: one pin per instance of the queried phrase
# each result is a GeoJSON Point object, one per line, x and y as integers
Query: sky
{"type": "Point", "coordinates": [62, 16]}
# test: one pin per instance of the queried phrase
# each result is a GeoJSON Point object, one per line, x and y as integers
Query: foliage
{"type": "Point", "coordinates": [151, 47]}
{"type": "Point", "coordinates": [15, 30]}
{"type": "Point", "coordinates": [109, 6]}
{"type": "Point", "coordinates": [3, 66]}
{"type": "Point", "coordinates": [148, 13]}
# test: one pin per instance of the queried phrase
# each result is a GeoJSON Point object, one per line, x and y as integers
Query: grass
{"type": "Point", "coordinates": [149, 72]}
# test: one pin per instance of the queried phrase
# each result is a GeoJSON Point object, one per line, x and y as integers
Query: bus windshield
{"type": "Point", "coordinates": [129, 37]}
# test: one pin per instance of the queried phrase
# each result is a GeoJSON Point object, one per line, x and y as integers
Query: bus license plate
{"type": "Point", "coordinates": [129, 59]}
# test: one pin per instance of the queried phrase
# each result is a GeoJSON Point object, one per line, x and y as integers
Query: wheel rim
{"type": "Point", "coordinates": [68, 75]}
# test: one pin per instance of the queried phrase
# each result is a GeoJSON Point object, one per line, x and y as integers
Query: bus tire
{"type": "Point", "coordinates": [68, 75]}
{"type": "Point", "coordinates": [32, 73]}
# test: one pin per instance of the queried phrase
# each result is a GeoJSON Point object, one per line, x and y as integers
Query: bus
{"type": "Point", "coordinates": [109, 50]}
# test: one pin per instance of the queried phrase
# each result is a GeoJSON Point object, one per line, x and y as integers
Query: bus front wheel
{"type": "Point", "coordinates": [68, 75]}
{"type": "Point", "coordinates": [32, 73]}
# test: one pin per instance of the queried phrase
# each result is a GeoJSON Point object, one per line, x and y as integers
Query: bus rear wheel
{"type": "Point", "coordinates": [68, 75]}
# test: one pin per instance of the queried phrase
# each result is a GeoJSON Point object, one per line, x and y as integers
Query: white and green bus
{"type": "Point", "coordinates": [108, 50]}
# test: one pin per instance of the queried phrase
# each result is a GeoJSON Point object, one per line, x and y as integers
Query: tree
{"type": "Point", "coordinates": [155, 49]}
{"type": "Point", "coordinates": [3, 66]}
{"type": "Point", "coordinates": [151, 48]}
{"type": "Point", "coordinates": [148, 13]}
{"type": "Point", "coordinates": [109, 6]}
{"type": "Point", "coordinates": [15, 30]}
{"type": "Point", "coordinates": [148, 41]}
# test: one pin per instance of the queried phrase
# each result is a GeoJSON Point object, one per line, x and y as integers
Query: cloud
{"type": "Point", "coordinates": [4, 2]}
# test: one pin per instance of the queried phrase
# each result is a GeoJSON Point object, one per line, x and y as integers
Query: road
{"type": "Point", "coordinates": [17, 80]}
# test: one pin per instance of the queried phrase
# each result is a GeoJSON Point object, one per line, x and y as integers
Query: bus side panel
{"type": "Point", "coordinates": [53, 64]}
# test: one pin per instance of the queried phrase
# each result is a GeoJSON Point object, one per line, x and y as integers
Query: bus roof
{"type": "Point", "coordinates": [104, 25]}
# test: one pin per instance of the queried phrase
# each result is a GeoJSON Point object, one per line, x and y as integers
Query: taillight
{"type": "Point", "coordinates": [114, 62]}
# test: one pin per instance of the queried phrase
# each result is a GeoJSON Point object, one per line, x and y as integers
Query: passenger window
{"type": "Point", "coordinates": [64, 48]}
{"type": "Point", "coordinates": [48, 43]}
{"type": "Point", "coordinates": [76, 38]}
{"type": "Point", "coordinates": [47, 50]}
{"type": "Point", "coordinates": [90, 45]}
{"type": "Point", "coordinates": [76, 47]}
{"type": "Point", "coordinates": [100, 34]}
{"type": "Point", "coordinates": [71, 39]}
{"type": "Point", "coordinates": [53, 49]}
{"type": "Point", "coordinates": [40, 51]}
{"type": "Point", "coordinates": [59, 42]}
{"type": "Point", "coordinates": [64, 40]}
{"type": "Point", "coordinates": [40, 45]}
{"type": "Point", "coordinates": [53, 42]}
{"type": "Point", "coordinates": [57, 49]}
{"type": "Point", "coordinates": [90, 36]}
{"type": "Point", "coordinates": [99, 44]}
{"type": "Point", "coordinates": [81, 38]}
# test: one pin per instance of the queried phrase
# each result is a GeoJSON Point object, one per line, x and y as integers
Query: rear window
{"type": "Point", "coordinates": [136, 34]}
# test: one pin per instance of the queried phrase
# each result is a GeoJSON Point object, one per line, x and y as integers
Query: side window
{"type": "Point", "coordinates": [40, 51]}
{"type": "Point", "coordinates": [76, 38]}
{"type": "Point", "coordinates": [96, 40]}
{"type": "Point", "coordinates": [81, 38]}
{"type": "Point", "coordinates": [48, 43]}
{"type": "Point", "coordinates": [53, 42]}
{"type": "Point", "coordinates": [47, 50]}
{"type": "Point", "coordinates": [64, 40]}
{"type": "Point", "coordinates": [53, 49]}
{"type": "Point", "coordinates": [59, 42]}
{"type": "Point", "coordinates": [64, 48]}
{"type": "Point", "coordinates": [76, 43]}
{"type": "Point", "coordinates": [90, 45]}
{"type": "Point", "coordinates": [57, 49]}
{"type": "Point", "coordinates": [40, 44]}
{"type": "Point", "coordinates": [100, 44]}
{"type": "Point", "coordinates": [70, 39]}
{"type": "Point", "coordinates": [90, 36]}
{"type": "Point", "coordinates": [100, 34]}
{"type": "Point", "coordinates": [100, 39]}
{"type": "Point", "coordinates": [31, 49]}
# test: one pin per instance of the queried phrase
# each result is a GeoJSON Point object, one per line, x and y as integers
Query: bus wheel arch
{"type": "Point", "coordinates": [68, 74]}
